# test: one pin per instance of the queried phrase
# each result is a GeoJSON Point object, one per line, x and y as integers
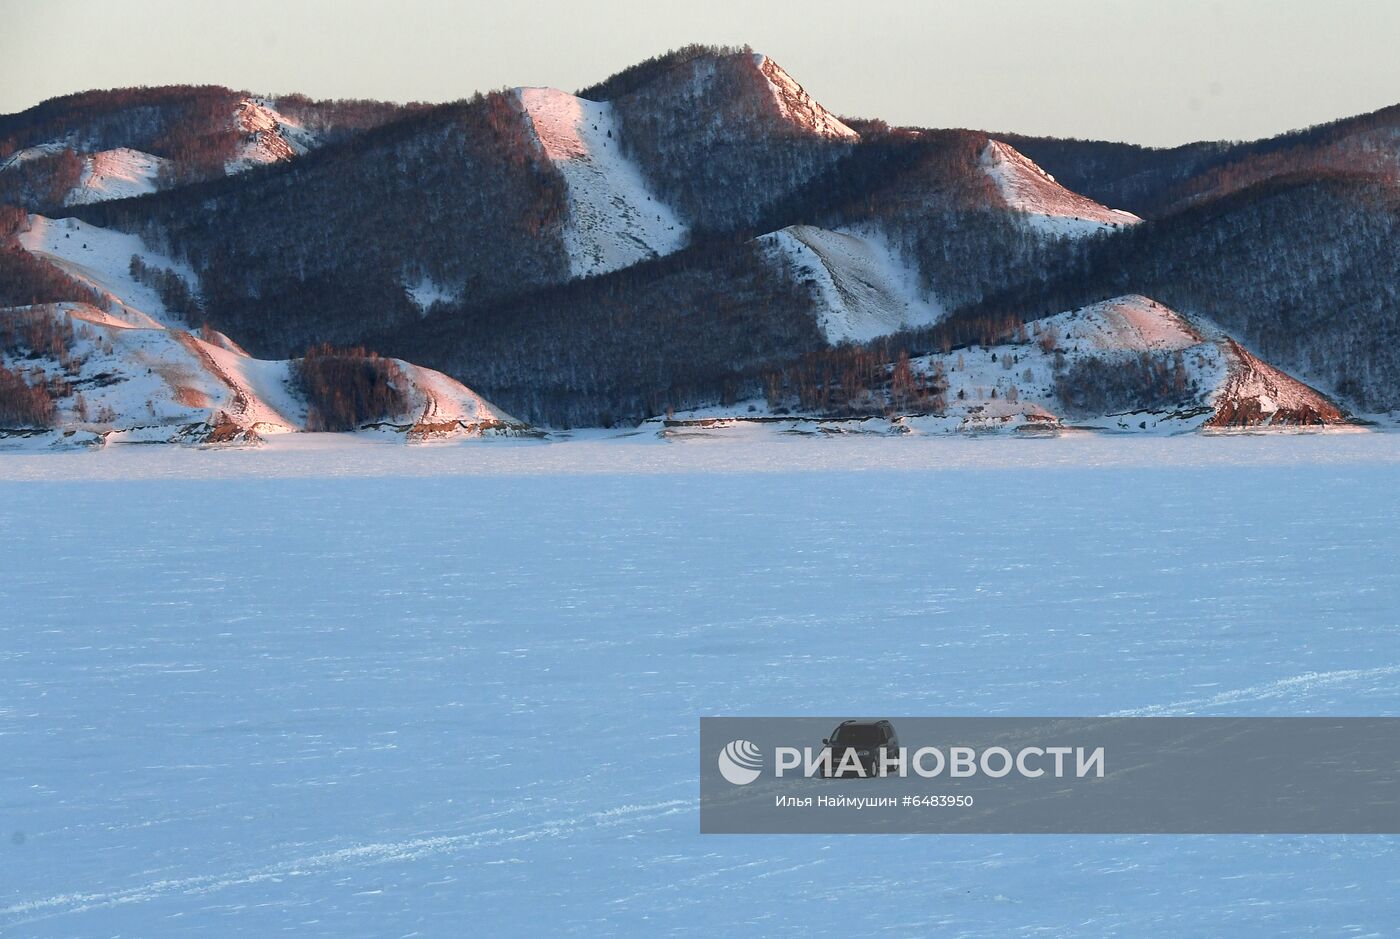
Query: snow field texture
{"type": "Point", "coordinates": [101, 258]}
{"type": "Point", "coordinates": [461, 690]}
{"type": "Point", "coordinates": [864, 289]}
{"type": "Point", "coordinates": [614, 219]}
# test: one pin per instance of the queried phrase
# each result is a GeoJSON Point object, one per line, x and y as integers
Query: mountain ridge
{"type": "Point", "coordinates": [679, 234]}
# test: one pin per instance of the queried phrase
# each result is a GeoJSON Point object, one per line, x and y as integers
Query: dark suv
{"type": "Point", "coordinates": [866, 739]}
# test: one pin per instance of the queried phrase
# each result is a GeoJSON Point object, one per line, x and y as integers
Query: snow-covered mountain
{"type": "Point", "coordinates": [681, 233]}
{"type": "Point", "coordinates": [616, 217]}
{"type": "Point", "coordinates": [721, 134]}
{"type": "Point", "coordinates": [265, 136]}
{"type": "Point", "coordinates": [868, 282]}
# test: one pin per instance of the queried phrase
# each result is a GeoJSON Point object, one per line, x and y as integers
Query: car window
{"type": "Point", "coordinates": [859, 735]}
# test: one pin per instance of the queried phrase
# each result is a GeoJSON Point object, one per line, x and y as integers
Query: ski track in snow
{"type": "Point", "coordinates": [1283, 688]}
{"type": "Point", "coordinates": [28, 911]}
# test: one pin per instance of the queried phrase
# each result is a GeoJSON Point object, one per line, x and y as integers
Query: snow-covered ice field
{"type": "Point", "coordinates": [334, 690]}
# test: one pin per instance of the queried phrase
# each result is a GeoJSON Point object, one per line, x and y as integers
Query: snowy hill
{"type": "Point", "coordinates": [863, 289]}
{"type": "Point", "coordinates": [1048, 206]}
{"type": "Point", "coordinates": [1124, 364]}
{"type": "Point", "coordinates": [118, 148]}
{"type": "Point", "coordinates": [116, 174]}
{"type": "Point", "coordinates": [614, 219]}
{"type": "Point", "coordinates": [1128, 364]}
{"type": "Point", "coordinates": [721, 133]}
{"type": "Point", "coordinates": [115, 382]}
{"type": "Point", "coordinates": [130, 370]}
{"type": "Point", "coordinates": [101, 258]}
{"type": "Point", "coordinates": [28, 154]}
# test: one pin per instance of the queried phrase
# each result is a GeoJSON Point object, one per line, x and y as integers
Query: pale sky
{"type": "Point", "coordinates": [1158, 73]}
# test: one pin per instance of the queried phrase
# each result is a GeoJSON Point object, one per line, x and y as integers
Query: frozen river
{"type": "Point", "coordinates": [333, 690]}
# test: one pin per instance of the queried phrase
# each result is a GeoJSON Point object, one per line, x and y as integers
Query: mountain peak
{"type": "Point", "coordinates": [648, 70]}
{"type": "Point", "coordinates": [268, 136]}
{"type": "Point", "coordinates": [797, 105]}
{"type": "Point", "coordinates": [1048, 206]}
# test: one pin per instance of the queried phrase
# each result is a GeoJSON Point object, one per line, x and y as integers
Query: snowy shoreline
{"type": "Point", "coordinates": [729, 450]}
